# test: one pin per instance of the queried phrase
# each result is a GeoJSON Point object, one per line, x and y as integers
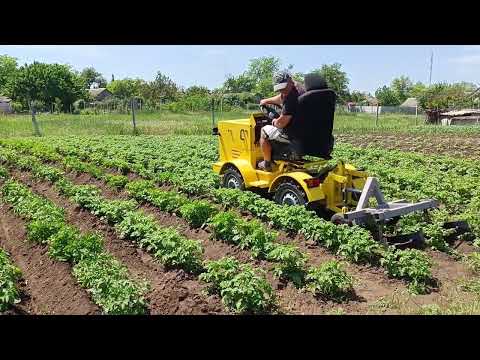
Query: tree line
{"type": "Point", "coordinates": [58, 87]}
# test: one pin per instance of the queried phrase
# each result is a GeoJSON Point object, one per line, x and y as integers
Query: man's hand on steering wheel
{"type": "Point", "coordinates": [270, 111]}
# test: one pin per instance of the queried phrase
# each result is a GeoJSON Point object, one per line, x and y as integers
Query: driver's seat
{"type": "Point", "coordinates": [313, 124]}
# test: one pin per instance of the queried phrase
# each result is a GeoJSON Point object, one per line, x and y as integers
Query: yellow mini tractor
{"type": "Point", "coordinates": [303, 172]}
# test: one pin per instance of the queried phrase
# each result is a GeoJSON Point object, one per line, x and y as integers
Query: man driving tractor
{"type": "Point", "coordinates": [282, 128]}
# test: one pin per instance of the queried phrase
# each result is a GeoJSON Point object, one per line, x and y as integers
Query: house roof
{"type": "Point", "coordinates": [96, 92]}
{"type": "Point", "coordinates": [410, 102]}
{"type": "Point", "coordinates": [5, 99]}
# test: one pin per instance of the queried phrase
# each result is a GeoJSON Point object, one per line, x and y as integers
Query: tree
{"type": "Point", "coordinates": [197, 90]}
{"type": "Point", "coordinates": [90, 76]}
{"type": "Point", "coordinates": [46, 82]}
{"type": "Point", "coordinates": [8, 68]}
{"type": "Point", "coordinates": [161, 89]}
{"type": "Point", "coordinates": [417, 90]}
{"type": "Point", "coordinates": [356, 96]}
{"type": "Point", "coordinates": [125, 88]}
{"type": "Point", "coordinates": [241, 83]}
{"type": "Point", "coordinates": [260, 71]}
{"type": "Point", "coordinates": [402, 88]}
{"type": "Point", "coordinates": [335, 78]}
{"type": "Point", "coordinates": [387, 97]}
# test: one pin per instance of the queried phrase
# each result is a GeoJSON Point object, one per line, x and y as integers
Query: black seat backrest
{"type": "Point", "coordinates": [316, 110]}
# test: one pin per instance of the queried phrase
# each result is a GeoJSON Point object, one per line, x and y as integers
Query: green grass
{"type": "Point", "coordinates": [200, 123]}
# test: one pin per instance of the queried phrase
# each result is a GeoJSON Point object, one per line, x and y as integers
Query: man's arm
{"type": "Point", "coordinates": [275, 100]}
{"type": "Point", "coordinates": [282, 121]}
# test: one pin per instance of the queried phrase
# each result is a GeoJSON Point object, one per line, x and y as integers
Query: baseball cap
{"type": "Point", "coordinates": [280, 80]}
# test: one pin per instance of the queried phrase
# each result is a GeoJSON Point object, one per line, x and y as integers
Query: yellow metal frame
{"type": "Point", "coordinates": [237, 148]}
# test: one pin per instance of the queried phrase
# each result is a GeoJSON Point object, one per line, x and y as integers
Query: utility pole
{"type": "Point", "coordinates": [431, 64]}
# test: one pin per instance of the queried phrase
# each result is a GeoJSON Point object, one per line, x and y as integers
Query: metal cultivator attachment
{"type": "Point", "coordinates": [386, 213]}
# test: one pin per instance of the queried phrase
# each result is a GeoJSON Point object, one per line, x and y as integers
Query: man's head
{"type": "Point", "coordinates": [282, 82]}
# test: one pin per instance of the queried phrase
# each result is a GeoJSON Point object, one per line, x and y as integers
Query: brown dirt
{"type": "Point", "coordinates": [48, 286]}
{"type": "Point", "coordinates": [463, 146]}
{"type": "Point", "coordinates": [371, 282]}
{"type": "Point", "coordinates": [172, 292]}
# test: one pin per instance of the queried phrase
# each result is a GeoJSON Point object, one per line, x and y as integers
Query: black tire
{"type": "Point", "coordinates": [338, 219]}
{"type": "Point", "coordinates": [232, 179]}
{"type": "Point", "coordinates": [288, 193]}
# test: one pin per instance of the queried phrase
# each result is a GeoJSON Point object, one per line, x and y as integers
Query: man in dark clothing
{"type": "Point", "coordinates": [282, 128]}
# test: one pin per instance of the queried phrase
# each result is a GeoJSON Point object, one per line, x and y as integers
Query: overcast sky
{"type": "Point", "coordinates": [368, 67]}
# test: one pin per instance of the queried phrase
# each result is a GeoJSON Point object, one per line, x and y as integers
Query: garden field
{"type": "Point", "coordinates": [120, 224]}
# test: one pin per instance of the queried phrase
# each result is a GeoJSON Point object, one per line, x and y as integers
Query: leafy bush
{"type": "Point", "coordinates": [9, 275]}
{"type": "Point", "coordinates": [174, 250]}
{"type": "Point", "coordinates": [3, 173]}
{"type": "Point", "coordinates": [136, 226]}
{"type": "Point", "coordinates": [252, 235]}
{"type": "Point", "coordinates": [223, 226]}
{"type": "Point", "coordinates": [241, 288]}
{"type": "Point", "coordinates": [140, 189]}
{"type": "Point", "coordinates": [411, 264]}
{"type": "Point", "coordinates": [166, 200]}
{"type": "Point", "coordinates": [360, 249]}
{"type": "Point", "coordinates": [107, 280]}
{"type": "Point", "coordinates": [291, 263]}
{"type": "Point", "coordinates": [40, 231]}
{"type": "Point", "coordinates": [116, 181]}
{"type": "Point", "coordinates": [69, 245]}
{"type": "Point", "coordinates": [114, 211]}
{"type": "Point", "coordinates": [197, 212]}
{"type": "Point", "coordinates": [329, 279]}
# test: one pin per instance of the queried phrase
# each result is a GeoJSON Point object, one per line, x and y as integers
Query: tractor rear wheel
{"type": "Point", "coordinates": [232, 179]}
{"type": "Point", "coordinates": [288, 193]}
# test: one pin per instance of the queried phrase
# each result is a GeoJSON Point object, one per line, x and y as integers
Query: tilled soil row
{"type": "Point", "coordinates": [371, 282]}
{"type": "Point", "coordinates": [172, 292]}
{"type": "Point", "coordinates": [465, 146]}
{"type": "Point", "coordinates": [48, 287]}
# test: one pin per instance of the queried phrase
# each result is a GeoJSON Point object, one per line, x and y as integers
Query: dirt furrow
{"type": "Point", "coordinates": [172, 292]}
{"type": "Point", "coordinates": [49, 287]}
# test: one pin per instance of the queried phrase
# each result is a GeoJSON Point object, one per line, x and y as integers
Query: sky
{"type": "Point", "coordinates": [368, 67]}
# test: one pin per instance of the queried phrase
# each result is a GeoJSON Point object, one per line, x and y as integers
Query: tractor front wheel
{"type": "Point", "coordinates": [232, 179]}
{"type": "Point", "coordinates": [288, 193]}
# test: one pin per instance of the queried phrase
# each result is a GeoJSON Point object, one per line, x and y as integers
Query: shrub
{"type": "Point", "coordinates": [197, 212]}
{"type": "Point", "coordinates": [223, 226]}
{"type": "Point", "coordinates": [116, 181]}
{"type": "Point", "coordinates": [9, 275]}
{"type": "Point", "coordinates": [69, 245]}
{"type": "Point", "coordinates": [40, 231]}
{"type": "Point", "coordinates": [291, 263]}
{"type": "Point", "coordinates": [410, 264]}
{"type": "Point", "coordinates": [107, 280]}
{"type": "Point", "coordinates": [329, 279]}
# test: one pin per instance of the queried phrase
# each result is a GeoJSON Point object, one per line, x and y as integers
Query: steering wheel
{"type": "Point", "coordinates": [271, 111]}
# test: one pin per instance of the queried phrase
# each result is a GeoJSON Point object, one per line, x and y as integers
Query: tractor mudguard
{"type": "Point", "coordinates": [248, 172]}
{"type": "Point", "coordinates": [313, 194]}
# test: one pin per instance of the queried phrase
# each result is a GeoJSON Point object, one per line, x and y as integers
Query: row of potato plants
{"type": "Point", "coordinates": [104, 277]}
{"type": "Point", "coordinates": [177, 160]}
{"type": "Point", "coordinates": [9, 273]}
{"type": "Point", "coordinates": [243, 290]}
{"type": "Point", "coordinates": [354, 243]}
{"type": "Point", "coordinates": [291, 262]}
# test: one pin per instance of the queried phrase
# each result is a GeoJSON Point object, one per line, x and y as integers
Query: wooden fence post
{"type": "Point", "coordinates": [376, 119]}
{"type": "Point", "coordinates": [34, 120]}
{"type": "Point", "coordinates": [133, 117]}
